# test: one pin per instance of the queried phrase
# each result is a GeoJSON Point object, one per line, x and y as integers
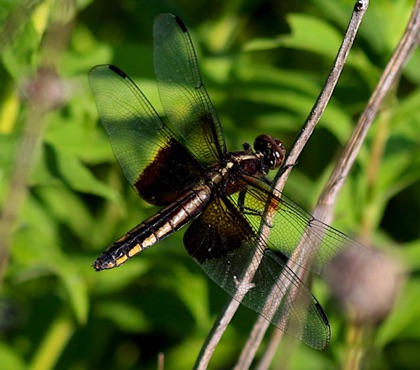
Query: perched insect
{"type": "Point", "coordinates": [185, 168]}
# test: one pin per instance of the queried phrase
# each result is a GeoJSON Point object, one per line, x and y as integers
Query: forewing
{"type": "Point", "coordinates": [223, 242]}
{"type": "Point", "coordinates": [182, 93]}
{"type": "Point", "coordinates": [154, 162]}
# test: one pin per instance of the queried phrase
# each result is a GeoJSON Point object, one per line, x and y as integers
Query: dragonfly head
{"type": "Point", "coordinates": [272, 150]}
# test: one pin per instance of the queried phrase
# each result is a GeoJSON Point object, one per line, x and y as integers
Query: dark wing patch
{"type": "Point", "coordinates": [172, 172]}
{"type": "Point", "coordinates": [220, 229]}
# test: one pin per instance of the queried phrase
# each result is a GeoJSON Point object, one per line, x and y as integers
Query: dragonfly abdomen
{"type": "Point", "coordinates": [155, 228]}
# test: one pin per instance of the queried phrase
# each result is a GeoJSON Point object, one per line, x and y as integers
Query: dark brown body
{"type": "Point", "coordinates": [222, 179]}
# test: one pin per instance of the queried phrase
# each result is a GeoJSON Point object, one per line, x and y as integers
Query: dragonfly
{"type": "Point", "coordinates": [182, 165]}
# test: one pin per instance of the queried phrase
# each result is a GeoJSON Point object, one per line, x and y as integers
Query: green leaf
{"type": "Point", "coordinates": [410, 253]}
{"type": "Point", "coordinates": [116, 280]}
{"type": "Point", "coordinates": [35, 252]}
{"type": "Point", "coordinates": [312, 34]}
{"type": "Point", "coordinates": [10, 358]}
{"type": "Point", "coordinates": [192, 290]}
{"type": "Point", "coordinates": [72, 172]}
{"type": "Point", "coordinates": [406, 311]}
{"type": "Point", "coordinates": [128, 318]}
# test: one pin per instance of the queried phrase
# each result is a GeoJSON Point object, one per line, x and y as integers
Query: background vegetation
{"type": "Point", "coordinates": [264, 63]}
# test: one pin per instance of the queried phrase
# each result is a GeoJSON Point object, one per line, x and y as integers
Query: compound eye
{"type": "Point", "coordinates": [272, 150]}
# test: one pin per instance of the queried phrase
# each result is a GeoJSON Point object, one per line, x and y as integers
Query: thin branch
{"type": "Point", "coordinates": [245, 283]}
{"type": "Point", "coordinates": [318, 109]}
{"type": "Point", "coordinates": [408, 43]}
{"type": "Point", "coordinates": [325, 206]}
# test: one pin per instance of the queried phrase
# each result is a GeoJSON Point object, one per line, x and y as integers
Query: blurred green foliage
{"type": "Point", "coordinates": [264, 63]}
